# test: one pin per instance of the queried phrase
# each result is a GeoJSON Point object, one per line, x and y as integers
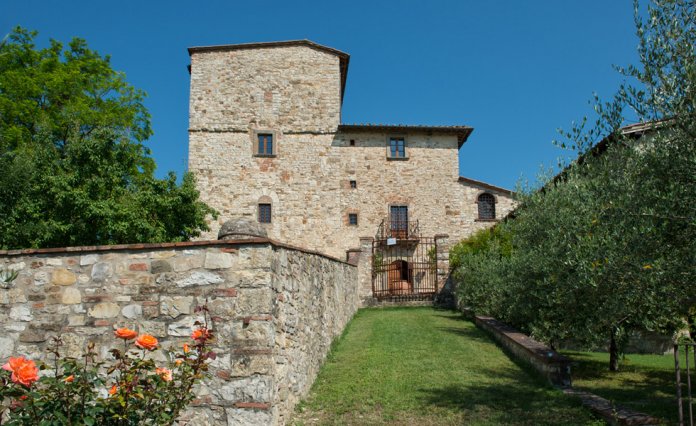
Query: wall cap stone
{"type": "Point", "coordinates": [535, 348]}
{"type": "Point", "coordinates": [155, 246]}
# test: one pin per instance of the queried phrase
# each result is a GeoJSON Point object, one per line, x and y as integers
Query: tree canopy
{"type": "Point", "coordinates": [74, 167]}
{"type": "Point", "coordinates": [609, 245]}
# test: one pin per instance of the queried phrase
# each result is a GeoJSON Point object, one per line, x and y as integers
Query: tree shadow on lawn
{"type": "Point", "coordinates": [650, 390]}
{"type": "Point", "coordinates": [468, 333]}
{"type": "Point", "coordinates": [512, 404]}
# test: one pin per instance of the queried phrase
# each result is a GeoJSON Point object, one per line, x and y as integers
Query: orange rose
{"type": "Point", "coordinates": [69, 379]}
{"type": "Point", "coordinates": [178, 362]}
{"type": "Point", "coordinates": [146, 341]}
{"type": "Point", "coordinates": [113, 390]}
{"type": "Point", "coordinates": [200, 334]}
{"type": "Point", "coordinates": [23, 370]}
{"type": "Point", "coordinates": [186, 348]}
{"type": "Point", "coordinates": [125, 333]}
{"type": "Point", "coordinates": [164, 373]}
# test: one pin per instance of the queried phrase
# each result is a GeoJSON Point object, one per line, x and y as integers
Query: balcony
{"type": "Point", "coordinates": [400, 230]}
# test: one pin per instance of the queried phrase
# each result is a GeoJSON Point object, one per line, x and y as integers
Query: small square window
{"type": "Point", "coordinates": [352, 142]}
{"type": "Point", "coordinates": [353, 219]}
{"type": "Point", "coordinates": [265, 144]}
{"type": "Point", "coordinates": [353, 184]}
{"type": "Point", "coordinates": [397, 147]}
{"type": "Point", "coordinates": [264, 213]}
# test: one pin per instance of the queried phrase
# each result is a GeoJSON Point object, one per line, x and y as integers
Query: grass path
{"type": "Point", "coordinates": [403, 366]}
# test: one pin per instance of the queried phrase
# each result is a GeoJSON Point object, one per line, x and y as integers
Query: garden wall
{"type": "Point", "coordinates": [276, 310]}
{"type": "Point", "coordinates": [547, 362]}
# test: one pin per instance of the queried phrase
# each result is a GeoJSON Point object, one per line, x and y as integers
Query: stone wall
{"type": "Point", "coordinates": [294, 92]}
{"type": "Point", "coordinates": [308, 186]}
{"type": "Point", "coordinates": [547, 362]}
{"type": "Point", "coordinates": [276, 310]}
{"type": "Point", "coordinates": [283, 87]}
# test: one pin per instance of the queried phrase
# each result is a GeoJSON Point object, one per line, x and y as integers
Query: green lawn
{"type": "Point", "coordinates": [428, 367]}
{"type": "Point", "coordinates": [644, 383]}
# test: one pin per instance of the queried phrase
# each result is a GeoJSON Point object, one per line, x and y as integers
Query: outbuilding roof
{"type": "Point", "coordinates": [462, 132]}
{"type": "Point", "coordinates": [343, 57]}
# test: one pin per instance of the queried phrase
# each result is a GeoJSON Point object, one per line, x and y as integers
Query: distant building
{"type": "Point", "coordinates": [266, 142]}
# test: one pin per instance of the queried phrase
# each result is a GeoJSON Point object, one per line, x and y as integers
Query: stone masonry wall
{"type": "Point", "coordinates": [276, 310]}
{"type": "Point", "coordinates": [286, 88]}
{"type": "Point", "coordinates": [294, 92]}
{"type": "Point", "coordinates": [308, 186]}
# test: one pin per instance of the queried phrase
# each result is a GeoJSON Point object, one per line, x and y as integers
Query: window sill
{"type": "Point", "coordinates": [265, 155]}
{"type": "Point", "coordinates": [486, 220]}
{"type": "Point", "coordinates": [397, 158]}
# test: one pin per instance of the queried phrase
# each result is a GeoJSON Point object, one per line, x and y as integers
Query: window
{"type": "Point", "coordinates": [265, 144]}
{"type": "Point", "coordinates": [398, 221]}
{"type": "Point", "coordinates": [352, 142]}
{"type": "Point", "coordinates": [486, 206]}
{"type": "Point", "coordinates": [397, 147]}
{"type": "Point", "coordinates": [353, 184]}
{"type": "Point", "coordinates": [264, 213]}
{"type": "Point", "coordinates": [353, 219]}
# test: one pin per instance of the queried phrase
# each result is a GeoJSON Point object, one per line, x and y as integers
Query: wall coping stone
{"type": "Point", "coordinates": [154, 246]}
{"type": "Point", "coordinates": [537, 349]}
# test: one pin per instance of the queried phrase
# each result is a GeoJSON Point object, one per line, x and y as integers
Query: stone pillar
{"type": "Point", "coordinates": [365, 271]}
{"type": "Point", "coordinates": [445, 288]}
{"type": "Point", "coordinates": [353, 255]}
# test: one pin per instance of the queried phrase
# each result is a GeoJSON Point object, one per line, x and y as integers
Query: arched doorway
{"type": "Point", "coordinates": [399, 276]}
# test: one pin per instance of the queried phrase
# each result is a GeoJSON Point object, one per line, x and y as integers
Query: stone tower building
{"type": "Point", "coordinates": [267, 142]}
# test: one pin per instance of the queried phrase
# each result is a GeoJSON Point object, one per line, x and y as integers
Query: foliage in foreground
{"type": "Point", "coordinates": [132, 390]}
{"type": "Point", "coordinates": [610, 245]}
{"type": "Point", "coordinates": [74, 168]}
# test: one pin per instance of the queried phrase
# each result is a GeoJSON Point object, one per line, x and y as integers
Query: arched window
{"type": "Point", "coordinates": [486, 206]}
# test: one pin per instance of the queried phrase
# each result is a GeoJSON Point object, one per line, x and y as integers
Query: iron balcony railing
{"type": "Point", "coordinates": [398, 229]}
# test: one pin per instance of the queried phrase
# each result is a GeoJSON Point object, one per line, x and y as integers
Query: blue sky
{"type": "Point", "coordinates": [514, 70]}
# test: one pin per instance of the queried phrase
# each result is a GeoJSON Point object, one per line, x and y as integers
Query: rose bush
{"type": "Point", "coordinates": [130, 389]}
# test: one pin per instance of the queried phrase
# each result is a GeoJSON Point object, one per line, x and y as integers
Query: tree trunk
{"type": "Point", "coordinates": [613, 352]}
{"type": "Point", "coordinates": [691, 321]}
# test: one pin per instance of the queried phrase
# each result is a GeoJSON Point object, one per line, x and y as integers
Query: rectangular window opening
{"type": "Point", "coordinates": [353, 184]}
{"type": "Point", "coordinates": [397, 147]}
{"type": "Point", "coordinates": [264, 213]}
{"type": "Point", "coordinates": [398, 221]}
{"type": "Point", "coordinates": [265, 146]}
{"type": "Point", "coordinates": [352, 142]}
{"type": "Point", "coordinates": [353, 219]}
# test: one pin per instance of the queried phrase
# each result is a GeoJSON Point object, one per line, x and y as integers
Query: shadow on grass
{"type": "Point", "coordinates": [508, 404]}
{"type": "Point", "coordinates": [646, 389]}
{"type": "Point", "coordinates": [468, 333]}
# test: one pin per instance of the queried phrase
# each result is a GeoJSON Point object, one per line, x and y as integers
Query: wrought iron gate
{"type": "Point", "coordinates": [404, 267]}
{"type": "Point", "coordinates": [689, 350]}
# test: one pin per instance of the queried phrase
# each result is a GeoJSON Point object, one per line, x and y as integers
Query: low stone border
{"type": "Point", "coordinates": [549, 363]}
{"type": "Point", "coordinates": [611, 413]}
{"type": "Point", "coordinates": [556, 368]}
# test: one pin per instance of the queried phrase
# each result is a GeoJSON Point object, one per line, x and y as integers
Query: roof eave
{"type": "Point", "coordinates": [486, 185]}
{"type": "Point", "coordinates": [462, 132]}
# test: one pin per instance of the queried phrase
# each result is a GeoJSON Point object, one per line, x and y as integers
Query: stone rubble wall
{"type": "Point", "coordinates": [275, 308]}
{"type": "Point", "coordinates": [294, 92]}
{"type": "Point", "coordinates": [283, 87]}
{"type": "Point", "coordinates": [308, 185]}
